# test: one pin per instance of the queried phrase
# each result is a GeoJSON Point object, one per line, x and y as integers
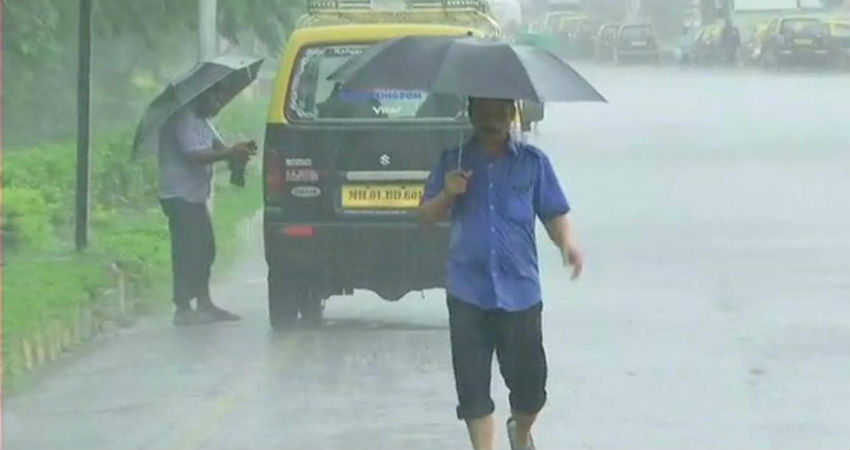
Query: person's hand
{"type": "Point", "coordinates": [456, 182]}
{"type": "Point", "coordinates": [573, 257]}
{"type": "Point", "coordinates": [243, 151]}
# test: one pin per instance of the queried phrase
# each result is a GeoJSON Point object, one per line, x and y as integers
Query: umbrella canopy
{"type": "Point", "coordinates": [466, 66]}
{"type": "Point", "coordinates": [229, 74]}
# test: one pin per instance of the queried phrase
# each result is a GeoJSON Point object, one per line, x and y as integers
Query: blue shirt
{"type": "Point", "coordinates": [493, 255]}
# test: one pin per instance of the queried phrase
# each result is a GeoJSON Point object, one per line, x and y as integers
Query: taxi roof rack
{"type": "Point", "coordinates": [366, 6]}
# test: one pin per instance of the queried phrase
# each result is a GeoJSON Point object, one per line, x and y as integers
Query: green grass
{"type": "Point", "coordinates": [46, 281]}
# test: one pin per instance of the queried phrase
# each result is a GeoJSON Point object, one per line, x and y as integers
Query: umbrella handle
{"type": "Point", "coordinates": [460, 152]}
{"type": "Point", "coordinates": [460, 143]}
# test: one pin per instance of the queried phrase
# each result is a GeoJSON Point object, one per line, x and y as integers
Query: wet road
{"type": "Point", "coordinates": [714, 311]}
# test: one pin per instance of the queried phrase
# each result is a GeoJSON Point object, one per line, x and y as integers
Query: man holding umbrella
{"type": "Point", "coordinates": [494, 295]}
{"type": "Point", "coordinates": [492, 189]}
{"type": "Point", "coordinates": [188, 147]}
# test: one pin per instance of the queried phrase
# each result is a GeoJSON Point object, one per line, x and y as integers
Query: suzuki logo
{"type": "Point", "coordinates": [384, 160]}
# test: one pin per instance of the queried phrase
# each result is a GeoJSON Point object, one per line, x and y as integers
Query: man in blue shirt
{"type": "Point", "coordinates": [492, 189]}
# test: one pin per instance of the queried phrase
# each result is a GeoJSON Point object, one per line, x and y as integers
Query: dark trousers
{"type": "Point", "coordinates": [516, 338]}
{"type": "Point", "coordinates": [192, 250]}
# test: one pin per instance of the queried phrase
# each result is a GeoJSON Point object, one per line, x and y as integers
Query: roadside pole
{"type": "Point", "coordinates": [81, 216]}
{"type": "Point", "coordinates": [207, 50]}
{"type": "Point", "coordinates": [206, 29]}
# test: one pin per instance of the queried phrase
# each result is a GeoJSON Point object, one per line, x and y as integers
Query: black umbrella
{"type": "Point", "coordinates": [466, 67]}
{"type": "Point", "coordinates": [230, 74]}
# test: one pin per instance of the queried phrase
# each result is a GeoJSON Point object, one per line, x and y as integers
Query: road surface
{"type": "Point", "coordinates": [714, 209]}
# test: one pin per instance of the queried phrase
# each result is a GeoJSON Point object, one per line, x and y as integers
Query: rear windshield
{"type": "Point", "coordinates": [313, 97]}
{"type": "Point", "coordinates": [803, 27]}
{"type": "Point", "coordinates": [636, 32]}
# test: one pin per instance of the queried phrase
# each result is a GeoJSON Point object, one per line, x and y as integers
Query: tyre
{"type": "Point", "coordinates": [283, 306]}
{"type": "Point", "coordinates": [311, 307]}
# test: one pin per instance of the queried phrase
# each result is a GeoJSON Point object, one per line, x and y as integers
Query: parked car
{"type": "Point", "coordinates": [795, 40]}
{"type": "Point", "coordinates": [565, 30]}
{"type": "Point", "coordinates": [552, 32]}
{"type": "Point", "coordinates": [605, 42]}
{"type": "Point", "coordinates": [636, 42]}
{"type": "Point", "coordinates": [839, 42]}
{"type": "Point", "coordinates": [752, 48]}
{"type": "Point", "coordinates": [583, 41]}
{"type": "Point", "coordinates": [344, 170]}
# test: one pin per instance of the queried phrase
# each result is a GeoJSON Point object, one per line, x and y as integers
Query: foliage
{"type": "Point", "coordinates": [27, 219]}
{"type": "Point", "coordinates": [45, 280]}
{"type": "Point", "coordinates": [138, 46]}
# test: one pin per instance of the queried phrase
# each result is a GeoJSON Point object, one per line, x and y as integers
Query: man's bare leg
{"type": "Point", "coordinates": [523, 426]}
{"type": "Point", "coordinates": [481, 432]}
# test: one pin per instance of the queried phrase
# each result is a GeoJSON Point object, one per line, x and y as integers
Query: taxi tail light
{"type": "Point", "coordinates": [273, 167]}
{"type": "Point", "coordinates": [300, 231]}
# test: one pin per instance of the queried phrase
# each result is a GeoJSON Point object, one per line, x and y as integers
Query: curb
{"type": "Point", "coordinates": [107, 312]}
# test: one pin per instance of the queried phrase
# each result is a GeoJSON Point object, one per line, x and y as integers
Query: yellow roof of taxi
{"type": "Point", "coordinates": [370, 32]}
{"type": "Point", "coordinates": [346, 33]}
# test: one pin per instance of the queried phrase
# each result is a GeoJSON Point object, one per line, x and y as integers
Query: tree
{"type": "Point", "coordinates": [138, 46]}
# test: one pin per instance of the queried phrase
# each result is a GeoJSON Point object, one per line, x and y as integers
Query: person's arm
{"type": "Point", "coordinates": [208, 156]}
{"type": "Point", "coordinates": [201, 145]}
{"type": "Point", "coordinates": [551, 206]}
{"type": "Point", "coordinates": [560, 230]}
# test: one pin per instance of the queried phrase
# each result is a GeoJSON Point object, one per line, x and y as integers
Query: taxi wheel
{"type": "Point", "coordinates": [283, 308]}
{"type": "Point", "coordinates": [311, 309]}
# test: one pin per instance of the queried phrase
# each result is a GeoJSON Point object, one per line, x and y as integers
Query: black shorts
{"type": "Point", "coordinates": [517, 339]}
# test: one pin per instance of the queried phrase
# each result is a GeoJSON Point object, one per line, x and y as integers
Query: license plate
{"type": "Point", "coordinates": [803, 41]}
{"type": "Point", "coordinates": [381, 196]}
{"type": "Point", "coordinates": [638, 43]}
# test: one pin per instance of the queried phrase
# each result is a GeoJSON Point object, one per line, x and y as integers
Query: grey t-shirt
{"type": "Point", "coordinates": [184, 133]}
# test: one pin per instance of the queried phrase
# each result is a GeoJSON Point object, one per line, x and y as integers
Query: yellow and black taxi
{"type": "Point", "coordinates": [795, 40]}
{"type": "Point", "coordinates": [344, 170]}
{"type": "Point", "coordinates": [755, 43]}
{"type": "Point", "coordinates": [559, 28]}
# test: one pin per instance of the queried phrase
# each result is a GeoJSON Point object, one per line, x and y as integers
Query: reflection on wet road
{"type": "Point", "coordinates": [713, 208]}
